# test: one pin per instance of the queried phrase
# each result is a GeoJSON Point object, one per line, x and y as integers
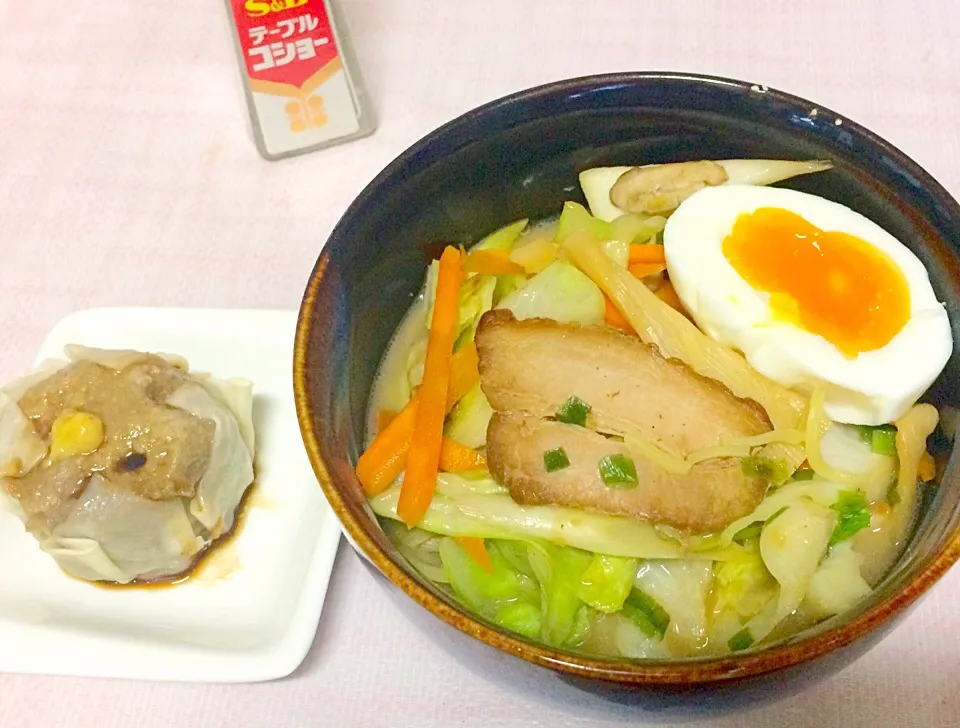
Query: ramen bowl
{"type": "Point", "coordinates": [519, 157]}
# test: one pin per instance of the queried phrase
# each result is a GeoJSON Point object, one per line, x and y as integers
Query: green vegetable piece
{"type": "Point", "coordinates": [866, 433]}
{"type": "Point", "coordinates": [555, 459]}
{"type": "Point", "coordinates": [573, 412]}
{"type": "Point", "coordinates": [637, 228]}
{"type": "Point", "coordinates": [515, 553]}
{"type": "Point", "coordinates": [575, 219]}
{"type": "Point", "coordinates": [484, 592]}
{"type": "Point", "coordinates": [504, 238]}
{"type": "Point", "coordinates": [804, 474]}
{"type": "Point", "coordinates": [854, 514]}
{"type": "Point", "coordinates": [475, 299]}
{"type": "Point", "coordinates": [520, 617]}
{"type": "Point", "coordinates": [607, 582]}
{"type": "Point", "coordinates": [618, 471]}
{"type": "Point", "coordinates": [467, 423]}
{"type": "Point", "coordinates": [776, 471]}
{"type": "Point", "coordinates": [882, 439]}
{"type": "Point", "coordinates": [559, 571]}
{"type": "Point", "coordinates": [628, 228]}
{"type": "Point", "coordinates": [560, 292]}
{"type": "Point", "coordinates": [740, 641]}
{"type": "Point", "coordinates": [582, 624]}
{"type": "Point", "coordinates": [893, 493]}
{"type": "Point", "coordinates": [748, 533]}
{"type": "Point", "coordinates": [752, 531]}
{"type": "Point", "coordinates": [650, 617]}
{"type": "Point", "coordinates": [744, 585]}
{"type": "Point", "coordinates": [507, 287]}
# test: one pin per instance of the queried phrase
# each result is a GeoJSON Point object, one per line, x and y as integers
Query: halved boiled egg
{"type": "Point", "coordinates": [814, 295]}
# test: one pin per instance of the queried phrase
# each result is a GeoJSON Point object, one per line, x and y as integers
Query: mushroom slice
{"type": "Point", "coordinates": [662, 187]}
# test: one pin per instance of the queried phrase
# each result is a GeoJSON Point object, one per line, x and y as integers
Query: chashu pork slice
{"type": "Point", "coordinates": [713, 494]}
{"type": "Point", "coordinates": [535, 365]}
{"type": "Point", "coordinates": [529, 368]}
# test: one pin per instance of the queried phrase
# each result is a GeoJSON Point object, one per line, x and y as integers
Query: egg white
{"type": "Point", "coordinates": [874, 388]}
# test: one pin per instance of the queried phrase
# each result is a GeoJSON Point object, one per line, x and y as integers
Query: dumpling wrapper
{"type": "Point", "coordinates": [120, 536]}
{"type": "Point", "coordinates": [114, 535]}
{"type": "Point", "coordinates": [230, 470]}
{"type": "Point", "coordinates": [20, 447]}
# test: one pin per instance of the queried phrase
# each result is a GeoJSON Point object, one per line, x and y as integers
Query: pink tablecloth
{"type": "Point", "coordinates": [128, 176]}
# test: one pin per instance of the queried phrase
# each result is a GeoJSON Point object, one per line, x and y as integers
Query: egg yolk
{"type": "Point", "coordinates": [831, 284]}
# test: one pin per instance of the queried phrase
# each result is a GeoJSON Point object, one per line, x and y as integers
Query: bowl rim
{"type": "Point", "coordinates": [683, 671]}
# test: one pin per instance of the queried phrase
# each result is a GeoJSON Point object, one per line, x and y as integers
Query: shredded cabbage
{"type": "Point", "coordinates": [681, 587]}
{"type": "Point", "coordinates": [559, 292]}
{"type": "Point", "coordinates": [791, 546]}
{"type": "Point", "coordinates": [837, 584]}
{"type": "Point", "coordinates": [467, 422]}
{"type": "Point", "coordinates": [486, 593]}
{"type": "Point", "coordinates": [478, 506]}
{"type": "Point", "coordinates": [607, 582]}
{"type": "Point", "coordinates": [560, 572]}
{"type": "Point", "coordinates": [743, 586]}
{"type": "Point", "coordinates": [503, 238]}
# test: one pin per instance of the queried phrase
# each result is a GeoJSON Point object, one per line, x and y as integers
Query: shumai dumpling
{"type": "Point", "coordinates": [124, 465]}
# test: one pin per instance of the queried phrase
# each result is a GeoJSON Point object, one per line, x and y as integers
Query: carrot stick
{"type": "Point", "coordinates": [477, 550]}
{"type": "Point", "coordinates": [384, 418]}
{"type": "Point", "coordinates": [455, 458]}
{"type": "Point", "coordinates": [613, 317]}
{"type": "Point", "coordinates": [492, 262]}
{"type": "Point", "coordinates": [464, 373]}
{"type": "Point", "coordinates": [668, 294]}
{"type": "Point", "coordinates": [642, 270]}
{"type": "Point", "coordinates": [647, 253]}
{"type": "Point", "coordinates": [386, 457]}
{"type": "Point", "coordinates": [424, 457]}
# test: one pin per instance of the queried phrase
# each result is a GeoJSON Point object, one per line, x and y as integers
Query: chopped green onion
{"type": "Point", "coordinates": [650, 617]}
{"type": "Point", "coordinates": [804, 474]}
{"type": "Point", "coordinates": [773, 470]}
{"type": "Point", "coordinates": [740, 641]}
{"type": "Point", "coordinates": [618, 471]}
{"type": "Point", "coordinates": [753, 530]}
{"type": "Point", "coordinates": [555, 459]}
{"type": "Point", "coordinates": [893, 493]}
{"type": "Point", "coordinates": [573, 412]}
{"type": "Point", "coordinates": [882, 439]}
{"type": "Point", "coordinates": [854, 514]}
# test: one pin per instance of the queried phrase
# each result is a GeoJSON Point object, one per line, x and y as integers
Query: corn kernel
{"type": "Point", "coordinates": [75, 433]}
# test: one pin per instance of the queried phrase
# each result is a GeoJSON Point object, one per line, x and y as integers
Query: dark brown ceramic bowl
{"type": "Point", "coordinates": [519, 157]}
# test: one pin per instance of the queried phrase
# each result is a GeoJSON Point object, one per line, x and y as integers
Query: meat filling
{"type": "Point", "coordinates": [149, 448]}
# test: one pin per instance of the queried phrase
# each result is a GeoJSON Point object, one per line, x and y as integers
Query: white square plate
{"type": "Point", "coordinates": [251, 612]}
